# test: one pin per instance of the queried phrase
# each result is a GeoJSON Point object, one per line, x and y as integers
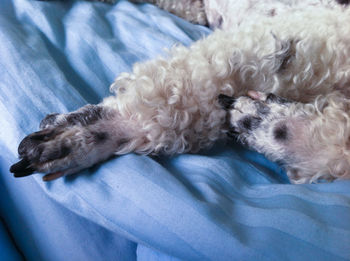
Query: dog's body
{"type": "Point", "coordinates": [170, 105]}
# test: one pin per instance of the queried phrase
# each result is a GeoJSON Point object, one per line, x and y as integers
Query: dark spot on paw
{"type": "Point", "coordinates": [100, 137]}
{"type": "Point", "coordinates": [281, 133]}
{"type": "Point", "coordinates": [272, 12]}
{"type": "Point", "coordinates": [249, 123]}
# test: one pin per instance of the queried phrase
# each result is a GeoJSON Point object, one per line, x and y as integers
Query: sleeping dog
{"type": "Point", "coordinates": [273, 75]}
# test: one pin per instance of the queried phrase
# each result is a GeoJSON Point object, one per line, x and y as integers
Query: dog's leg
{"type": "Point", "coordinates": [165, 106]}
{"type": "Point", "coordinates": [68, 143]}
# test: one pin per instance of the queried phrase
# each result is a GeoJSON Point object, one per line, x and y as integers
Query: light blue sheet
{"type": "Point", "coordinates": [223, 204]}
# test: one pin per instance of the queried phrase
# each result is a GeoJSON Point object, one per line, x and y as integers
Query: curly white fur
{"type": "Point", "coordinates": [174, 100]}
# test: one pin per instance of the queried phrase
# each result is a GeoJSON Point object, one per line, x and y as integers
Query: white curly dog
{"type": "Point", "coordinates": [275, 75]}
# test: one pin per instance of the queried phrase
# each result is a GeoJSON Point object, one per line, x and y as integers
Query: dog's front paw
{"type": "Point", "coordinates": [71, 142]}
{"type": "Point", "coordinates": [61, 151]}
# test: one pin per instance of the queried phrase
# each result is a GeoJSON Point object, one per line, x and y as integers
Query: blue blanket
{"type": "Point", "coordinates": [227, 203]}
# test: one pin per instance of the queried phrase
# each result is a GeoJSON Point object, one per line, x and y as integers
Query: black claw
{"type": "Point", "coordinates": [276, 99]}
{"type": "Point", "coordinates": [226, 101]}
{"type": "Point", "coordinates": [22, 168]}
{"type": "Point", "coordinates": [23, 174]}
{"type": "Point", "coordinates": [19, 166]}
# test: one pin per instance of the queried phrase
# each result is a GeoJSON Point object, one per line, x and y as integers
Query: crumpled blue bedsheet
{"type": "Point", "coordinates": [226, 203]}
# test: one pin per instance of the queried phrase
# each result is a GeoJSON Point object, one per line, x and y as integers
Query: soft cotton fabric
{"type": "Point", "coordinates": [226, 203]}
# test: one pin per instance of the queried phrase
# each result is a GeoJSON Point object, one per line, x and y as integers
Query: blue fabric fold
{"type": "Point", "coordinates": [226, 203]}
{"type": "Point", "coordinates": [8, 250]}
